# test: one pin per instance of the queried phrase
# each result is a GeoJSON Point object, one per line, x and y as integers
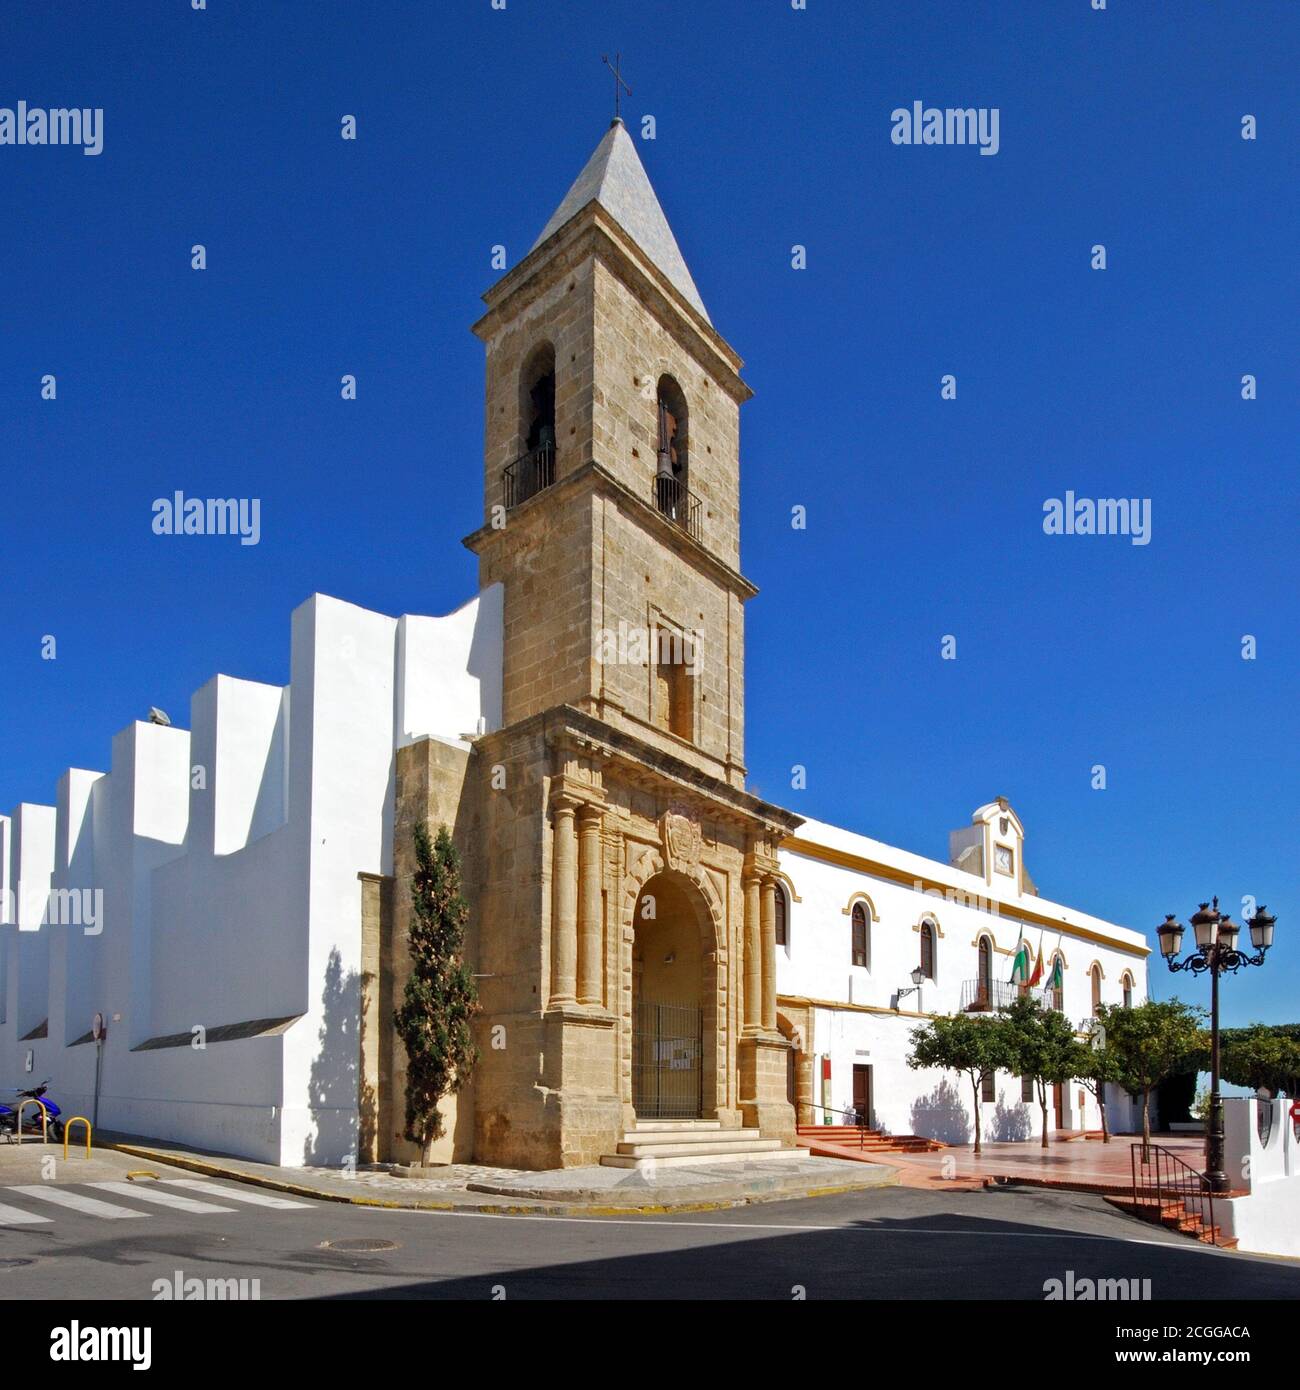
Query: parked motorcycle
{"type": "Point", "coordinates": [32, 1124]}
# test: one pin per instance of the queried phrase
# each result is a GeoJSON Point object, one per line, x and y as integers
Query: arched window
{"type": "Point", "coordinates": [534, 469]}
{"type": "Point", "coordinates": [672, 464]}
{"type": "Point", "coordinates": [1126, 981]}
{"type": "Point", "coordinates": [927, 950]}
{"type": "Point", "coordinates": [1095, 973]}
{"type": "Point", "coordinates": [782, 921]}
{"type": "Point", "coordinates": [859, 934]}
{"type": "Point", "coordinates": [985, 983]}
{"type": "Point", "coordinates": [538, 398]}
{"type": "Point", "coordinates": [670, 449]}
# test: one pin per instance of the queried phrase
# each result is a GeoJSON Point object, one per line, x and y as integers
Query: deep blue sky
{"type": "Point", "coordinates": [325, 257]}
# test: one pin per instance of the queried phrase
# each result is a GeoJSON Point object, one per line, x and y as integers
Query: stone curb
{"type": "Point", "coordinates": [531, 1206]}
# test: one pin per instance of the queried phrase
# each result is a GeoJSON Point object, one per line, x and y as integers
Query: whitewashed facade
{"type": "Point", "coordinates": [840, 999]}
{"type": "Point", "coordinates": [205, 889]}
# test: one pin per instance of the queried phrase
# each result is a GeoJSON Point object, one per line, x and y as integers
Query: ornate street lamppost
{"type": "Point", "coordinates": [1216, 951]}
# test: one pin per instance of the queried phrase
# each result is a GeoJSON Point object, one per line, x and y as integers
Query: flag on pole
{"type": "Point", "coordinates": [1020, 965]}
{"type": "Point", "coordinates": [1058, 979]}
{"type": "Point", "coordinates": [1038, 964]}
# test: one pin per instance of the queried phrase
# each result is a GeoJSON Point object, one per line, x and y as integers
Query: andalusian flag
{"type": "Point", "coordinates": [1038, 965]}
{"type": "Point", "coordinates": [1058, 978]}
{"type": "Point", "coordinates": [1020, 965]}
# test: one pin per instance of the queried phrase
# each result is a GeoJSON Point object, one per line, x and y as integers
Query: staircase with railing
{"type": "Point", "coordinates": [1172, 1194]}
{"type": "Point", "coordinates": [840, 1140]}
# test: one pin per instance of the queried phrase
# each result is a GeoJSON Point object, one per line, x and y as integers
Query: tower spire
{"type": "Point", "coordinates": [615, 178]}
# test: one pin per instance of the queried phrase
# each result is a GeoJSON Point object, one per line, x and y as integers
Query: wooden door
{"type": "Point", "coordinates": [862, 1092]}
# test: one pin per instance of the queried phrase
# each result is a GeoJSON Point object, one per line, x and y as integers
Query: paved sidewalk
{"type": "Point", "coordinates": [34, 1162]}
{"type": "Point", "coordinates": [593, 1190]}
{"type": "Point", "coordinates": [1076, 1164]}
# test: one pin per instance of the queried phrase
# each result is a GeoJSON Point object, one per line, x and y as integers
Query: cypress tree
{"type": "Point", "coordinates": [440, 1001]}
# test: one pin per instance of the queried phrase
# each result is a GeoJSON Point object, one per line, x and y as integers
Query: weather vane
{"type": "Point", "coordinates": [618, 79]}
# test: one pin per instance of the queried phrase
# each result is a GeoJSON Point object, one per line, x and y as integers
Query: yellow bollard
{"type": "Point", "coordinates": [18, 1128]}
{"type": "Point", "coordinates": [67, 1132]}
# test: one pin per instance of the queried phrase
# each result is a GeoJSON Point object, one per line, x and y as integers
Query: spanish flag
{"type": "Point", "coordinates": [1038, 965]}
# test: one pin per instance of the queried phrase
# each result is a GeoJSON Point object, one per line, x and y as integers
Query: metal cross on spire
{"type": "Point", "coordinates": [618, 80]}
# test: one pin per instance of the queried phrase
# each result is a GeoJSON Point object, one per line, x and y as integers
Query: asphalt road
{"type": "Point", "coordinates": [890, 1243]}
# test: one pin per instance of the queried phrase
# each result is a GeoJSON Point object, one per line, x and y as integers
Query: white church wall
{"type": "Point", "coordinates": [350, 655]}
{"type": "Point", "coordinates": [148, 820]}
{"type": "Point", "coordinates": [449, 669]}
{"type": "Point", "coordinates": [75, 945]}
{"type": "Point", "coordinates": [873, 1024]}
{"type": "Point", "coordinates": [227, 859]}
{"type": "Point", "coordinates": [33, 857]}
{"type": "Point", "coordinates": [6, 922]}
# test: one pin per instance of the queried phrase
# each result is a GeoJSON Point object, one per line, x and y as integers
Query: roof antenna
{"type": "Point", "coordinates": [618, 82]}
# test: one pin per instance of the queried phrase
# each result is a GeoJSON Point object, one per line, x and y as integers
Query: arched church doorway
{"type": "Point", "coordinates": [668, 1001]}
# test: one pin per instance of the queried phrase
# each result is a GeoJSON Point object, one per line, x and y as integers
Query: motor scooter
{"type": "Point", "coordinates": [32, 1124]}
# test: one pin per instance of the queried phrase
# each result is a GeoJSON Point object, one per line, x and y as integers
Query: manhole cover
{"type": "Point", "coordinates": [361, 1245]}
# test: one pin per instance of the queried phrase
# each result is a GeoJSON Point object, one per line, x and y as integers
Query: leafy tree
{"type": "Point", "coordinates": [1042, 1046]}
{"type": "Point", "coordinates": [969, 1044]}
{"type": "Point", "coordinates": [1260, 1057]}
{"type": "Point", "coordinates": [440, 999]}
{"type": "Point", "coordinates": [1096, 1065]}
{"type": "Point", "coordinates": [1153, 1040]}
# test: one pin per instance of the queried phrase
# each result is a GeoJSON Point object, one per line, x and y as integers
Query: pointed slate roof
{"type": "Point", "coordinates": [616, 179]}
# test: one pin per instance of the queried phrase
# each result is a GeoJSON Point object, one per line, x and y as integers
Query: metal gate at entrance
{"type": "Point", "coordinates": [667, 1061]}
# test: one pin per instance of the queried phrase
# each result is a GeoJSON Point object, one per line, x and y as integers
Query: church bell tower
{"type": "Point", "coordinates": [611, 484]}
{"type": "Point", "coordinates": [624, 871]}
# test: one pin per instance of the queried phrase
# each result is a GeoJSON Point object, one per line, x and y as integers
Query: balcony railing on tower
{"type": "Point", "coordinates": [528, 475]}
{"type": "Point", "coordinates": [678, 504]}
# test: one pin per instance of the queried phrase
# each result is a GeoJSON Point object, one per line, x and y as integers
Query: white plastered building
{"type": "Point", "coordinates": [855, 920]}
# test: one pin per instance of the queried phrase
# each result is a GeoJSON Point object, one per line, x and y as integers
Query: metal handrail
{"type": "Point", "coordinates": [1160, 1176]}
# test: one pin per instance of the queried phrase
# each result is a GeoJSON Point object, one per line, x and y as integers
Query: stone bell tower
{"type": "Point", "coordinates": [623, 879]}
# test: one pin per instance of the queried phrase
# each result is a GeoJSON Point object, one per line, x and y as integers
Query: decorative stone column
{"type": "Point", "coordinates": [591, 960]}
{"type": "Point", "coordinates": [753, 956]}
{"type": "Point", "coordinates": [769, 953]}
{"type": "Point", "coordinates": [564, 905]}
{"type": "Point", "coordinates": [763, 1053]}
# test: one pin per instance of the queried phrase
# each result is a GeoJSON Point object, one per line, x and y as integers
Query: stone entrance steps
{"type": "Point", "coordinates": [681, 1142]}
{"type": "Point", "coordinates": [872, 1141]}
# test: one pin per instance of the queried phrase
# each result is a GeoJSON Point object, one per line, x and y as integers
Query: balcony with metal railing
{"type": "Point", "coordinates": [678, 504]}
{"type": "Point", "coordinates": [990, 996]}
{"type": "Point", "coordinates": [528, 475]}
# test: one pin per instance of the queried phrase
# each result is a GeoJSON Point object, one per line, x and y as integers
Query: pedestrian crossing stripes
{"type": "Point", "coordinates": [241, 1194]}
{"type": "Point", "coordinates": [65, 1197]}
{"type": "Point", "coordinates": [145, 1193]}
{"type": "Point", "coordinates": [15, 1216]}
{"type": "Point", "coordinates": [92, 1201]}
